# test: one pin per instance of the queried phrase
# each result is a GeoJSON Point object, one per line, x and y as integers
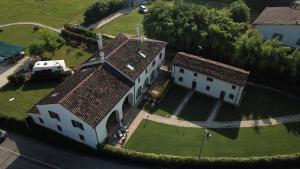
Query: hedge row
{"type": "Point", "coordinates": [69, 36]}
{"type": "Point", "coordinates": [280, 161]}
{"type": "Point", "coordinates": [82, 32]}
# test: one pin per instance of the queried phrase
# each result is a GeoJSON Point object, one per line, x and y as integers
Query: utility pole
{"type": "Point", "coordinates": [206, 135]}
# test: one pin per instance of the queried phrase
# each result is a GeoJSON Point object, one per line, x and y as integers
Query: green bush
{"type": "Point", "coordinates": [240, 11]}
{"type": "Point", "coordinates": [17, 78]}
{"type": "Point", "coordinates": [102, 9]}
{"type": "Point", "coordinates": [281, 161]}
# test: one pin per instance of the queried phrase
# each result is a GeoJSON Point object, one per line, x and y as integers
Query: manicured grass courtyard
{"type": "Point", "coordinates": [259, 103]}
{"type": "Point", "coordinates": [198, 108]}
{"type": "Point", "coordinates": [159, 138]}
{"type": "Point", "coordinates": [26, 96]}
{"type": "Point", "coordinates": [50, 12]}
{"type": "Point", "coordinates": [126, 23]}
{"type": "Point", "coordinates": [168, 104]}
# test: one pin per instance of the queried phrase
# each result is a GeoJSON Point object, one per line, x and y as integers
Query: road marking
{"type": "Point", "coordinates": [30, 158]}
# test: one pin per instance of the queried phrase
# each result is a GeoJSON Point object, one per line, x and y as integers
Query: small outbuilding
{"type": "Point", "coordinates": [49, 66]}
{"type": "Point", "coordinates": [209, 77]}
{"type": "Point", "coordinates": [9, 51]}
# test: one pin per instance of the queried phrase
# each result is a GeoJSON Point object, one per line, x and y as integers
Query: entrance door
{"type": "Point", "coordinates": [194, 84]}
{"type": "Point", "coordinates": [222, 95]}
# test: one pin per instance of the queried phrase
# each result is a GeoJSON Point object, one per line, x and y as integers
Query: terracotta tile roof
{"type": "Point", "coordinates": [91, 96]}
{"type": "Point", "coordinates": [279, 16]}
{"type": "Point", "coordinates": [127, 54]}
{"type": "Point", "coordinates": [93, 91]}
{"type": "Point", "coordinates": [211, 68]}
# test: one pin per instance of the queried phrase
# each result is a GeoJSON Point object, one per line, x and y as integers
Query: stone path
{"type": "Point", "coordinates": [108, 19]}
{"type": "Point", "coordinates": [32, 23]}
{"type": "Point", "coordinates": [182, 104]}
{"type": "Point", "coordinates": [214, 111]}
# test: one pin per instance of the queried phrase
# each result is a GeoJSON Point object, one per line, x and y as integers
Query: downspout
{"type": "Point", "coordinates": [238, 95]}
{"type": "Point", "coordinates": [97, 137]}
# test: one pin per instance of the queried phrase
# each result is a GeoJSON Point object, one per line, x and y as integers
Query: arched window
{"type": "Point", "coordinates": [139, 92]}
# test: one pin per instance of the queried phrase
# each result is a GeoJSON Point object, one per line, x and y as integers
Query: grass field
{"type": "Point", "coordinates": [168, 104]}
{"type": "Point", "coordinates": [259, 103]}
{"type": "Point", "coordinates": [50, 12]}
{"type": "Point", "coordinates": [262, 141]}
{"type": "Point", "coordinates": [26, 96]}
{"type": "Point", "coordinates": [21, 35]}
{"type": "Point", "coordinates": [126, 23]}
{"type": "Point", "coordinates": [198, 108]}
{"type": "Point", "coordinates": [72, 56]}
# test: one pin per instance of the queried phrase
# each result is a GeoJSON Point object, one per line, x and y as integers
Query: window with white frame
{"type": "Point", "coordinates": [139, 92]}
{"type": "Point", "coordinates": [180, 79]}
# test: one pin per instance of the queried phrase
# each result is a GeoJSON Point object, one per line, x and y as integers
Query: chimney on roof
{"type": "Point", "coordinates": [100, 41]}
{"type": "Point", "coordinates": [102, 58]}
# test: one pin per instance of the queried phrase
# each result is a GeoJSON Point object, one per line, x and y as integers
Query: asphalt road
{"type": "Point", "coordinates": [18, 152]}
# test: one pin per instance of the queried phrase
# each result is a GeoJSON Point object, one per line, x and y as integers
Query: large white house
{"type": "Point", "coordinates": [90, 104]}
{"type": "Point", "coordinates": [209, 77]}
{"type": "Point", "coordinates": [280, 22]}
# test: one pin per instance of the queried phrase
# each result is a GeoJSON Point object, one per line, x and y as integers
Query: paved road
{"type": "Point", "coordinates": [35, 152]}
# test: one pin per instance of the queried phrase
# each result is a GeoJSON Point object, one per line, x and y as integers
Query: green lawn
{"type": "Point", "coordinates": [259, 103]}
{"type": "Point", "coordinates": [72, 56]}
{"type": "Point", "coordinates": [262, 141]}
{"type": "Point", "coordinates": [26, 96]}
{"type": "Point", "coordinates": [198, 108]}
{"type": "Point", "coordinates": [50, 12]}
{"type": "Point", "coordinates": [168, 104]}
{"type": "Point", "coordinates": [21, 35]}
{"type": "Point", "coordinates": [126, 23]}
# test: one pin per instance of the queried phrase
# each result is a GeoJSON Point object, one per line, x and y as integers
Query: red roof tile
{"type": "Point", "coordinates": [211, 68]}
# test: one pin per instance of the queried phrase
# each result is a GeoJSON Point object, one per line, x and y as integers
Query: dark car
{"type": "Point", "coordinates": [3, 135]}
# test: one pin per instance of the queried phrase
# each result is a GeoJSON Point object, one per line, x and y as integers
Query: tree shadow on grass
{"type": "Point", "coordinates": [30, 85]}
{"type": "Point", "coordinates": [293, 128]}
{"type": "Point", "coordinates": [10, 87]}
{"type": "Point", "coordinates": [231, 133]}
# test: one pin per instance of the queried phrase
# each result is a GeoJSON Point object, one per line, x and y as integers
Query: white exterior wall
{"type": "Point", "coordinates": [65, 123]}
{"type": "Point", "coordinates": [101, 127]}
{"type": "Point", "coordinates": [215, 87]}
{"type": "Point", "coordinates": [291, 33]}
{"type": "Point", "coordinates": [143, 76]}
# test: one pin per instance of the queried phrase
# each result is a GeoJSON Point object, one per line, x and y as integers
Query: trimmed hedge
{"type": "Point", "coordinates": [280, 161]}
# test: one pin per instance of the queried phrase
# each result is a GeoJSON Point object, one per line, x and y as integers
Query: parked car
{"type": "Point", "coordinates": [3, 135]}
{"type": "Point", "coordinates": [143, 9]}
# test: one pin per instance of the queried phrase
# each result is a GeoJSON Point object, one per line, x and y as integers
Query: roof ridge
{"type": "Point", "coordinates": [215, 62]}
{"type": "Point", "coordinates": [79, 84]}
{"type": "Point", "coordinates": [118, 47]}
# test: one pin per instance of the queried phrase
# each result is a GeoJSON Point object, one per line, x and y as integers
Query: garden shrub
{"type": "Point", "coordinates": [101, 9]}
{"type": "Point", "coordinates": [240, 11]}
{"type": "Point", "coordinates": [18, 78]}
{"type": "Point", "coordinates": [281, 161]}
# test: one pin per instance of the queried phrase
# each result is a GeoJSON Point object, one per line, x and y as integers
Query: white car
{"type": "Point", "coordinates": [3, 135]}
{"type": "Point", "coordinates": [143, 9]}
